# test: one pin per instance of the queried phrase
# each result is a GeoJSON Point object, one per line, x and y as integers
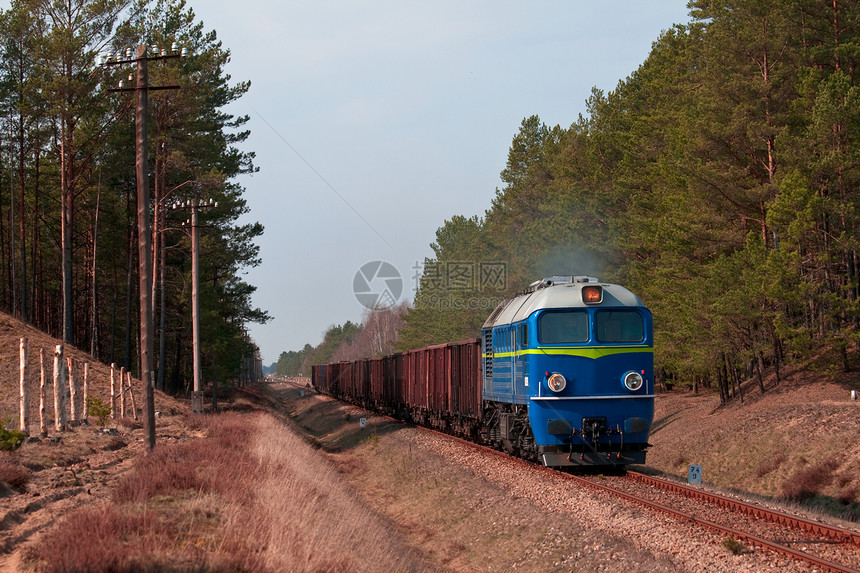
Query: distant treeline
{"type": "Point", "coordinates": [377, 335]}
{"type": "Point", "coordinates": [68, 202]}
{"type": "Point", "coordinates": [719, 181]}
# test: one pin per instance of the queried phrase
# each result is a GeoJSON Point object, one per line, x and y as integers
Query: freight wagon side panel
{"type": "Point", "coordinates": [437, 379]}
{"type": "Point", "coordinates": [470, 379]}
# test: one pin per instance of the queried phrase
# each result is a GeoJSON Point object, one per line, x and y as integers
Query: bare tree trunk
{"type": "Point", "coordinates": [16, 311]}
{"type": "Point", "coordinates": [128, 298]}
{"type": "Point", "coordinates": [94, 335]}
{"type": "Point", "coordinates": [22, 219]}
{"type": "Point", "coordinates": [760, 371]}
{"type": "Point", "coordinates": [777, 352]}
{"type": "Point", "coordinates": [38, 290]}
{"type": "Point", "coordinates": [737, 379]}
{"type": "Point", "coordinates": [67, 210]}
{"type": "Point", "coordinates": [162, 338]}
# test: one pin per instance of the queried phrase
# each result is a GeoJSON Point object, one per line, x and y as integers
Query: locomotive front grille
{"type": "Point", "coordinates": [488, 355]}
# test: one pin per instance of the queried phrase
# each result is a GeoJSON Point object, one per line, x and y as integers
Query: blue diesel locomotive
{"type": "Point", "coordinates": [563, 374]}
{"type": "Point", "coordinates": [568, 373]}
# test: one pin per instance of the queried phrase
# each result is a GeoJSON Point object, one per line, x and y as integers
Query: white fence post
{"type": "Point", "coordinates": [25, 388]}
{"type": "Point", "coordinates": [59, 390]}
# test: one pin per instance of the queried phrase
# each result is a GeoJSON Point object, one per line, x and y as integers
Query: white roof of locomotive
{"type": "Point", "coordinates": [558, 292]}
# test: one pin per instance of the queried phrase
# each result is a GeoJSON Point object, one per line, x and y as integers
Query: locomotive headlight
{"type": "Point", "coordinates": [556, 382]}
{"type": "Point", "coordinates": [633, 381]}
{"type": "Point", "coordinates": [592, 294]}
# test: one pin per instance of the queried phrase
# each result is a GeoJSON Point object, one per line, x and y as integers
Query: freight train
{"type": "Point", "coordinates": [562, 374]}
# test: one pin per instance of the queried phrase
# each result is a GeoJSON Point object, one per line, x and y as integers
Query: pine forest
{"type": "Point", "coordinates": [718, 181]}
{"type": "Point", "coordinates": [68, 199]}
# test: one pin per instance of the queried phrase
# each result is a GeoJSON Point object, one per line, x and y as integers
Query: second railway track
{"type": "Point", "coordinates": [823, 546]}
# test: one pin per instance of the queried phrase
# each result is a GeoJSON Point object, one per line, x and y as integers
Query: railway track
{"type": "Point", "coordinates": [823, 546]}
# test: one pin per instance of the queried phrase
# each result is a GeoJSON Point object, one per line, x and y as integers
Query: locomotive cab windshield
{"type": "Point", "coordinates": [619, 326]}
{"type": "Point", "coordinates": [559, 327]}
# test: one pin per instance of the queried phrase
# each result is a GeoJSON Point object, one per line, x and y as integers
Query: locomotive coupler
{"type": "Point", "coordinates": [592, 429]}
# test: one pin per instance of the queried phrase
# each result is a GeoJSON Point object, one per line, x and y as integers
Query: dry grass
{"type": "Point", "coordinates": [250, 496]}
{"type": "Point", "coordinates": [12, 473]}
{"type": "Point", "coordinates": [308, 519]}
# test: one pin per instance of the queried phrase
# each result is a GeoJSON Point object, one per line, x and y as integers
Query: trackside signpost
{"type": "Point", "coordinates": [694, 475]}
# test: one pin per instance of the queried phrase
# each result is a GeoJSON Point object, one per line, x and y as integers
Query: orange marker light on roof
{"type": "Point", "coordinates": [592, 294]}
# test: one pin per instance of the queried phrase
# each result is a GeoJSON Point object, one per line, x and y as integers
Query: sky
{"type": "Point", "coordinates": [374, 122]}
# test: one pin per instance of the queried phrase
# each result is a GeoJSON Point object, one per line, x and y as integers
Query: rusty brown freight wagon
{"type": "Point", "coordinates": [437, 386]}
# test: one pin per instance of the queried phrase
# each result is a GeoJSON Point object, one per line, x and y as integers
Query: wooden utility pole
{"type": "Point", "coordinates": [197, 397]}
{"type": "Point", "coordinates": [144, 247]}
{"type": "Point", "coordinates": [197, 394]}
{"type": "Point", "coordinates": [144, 230]}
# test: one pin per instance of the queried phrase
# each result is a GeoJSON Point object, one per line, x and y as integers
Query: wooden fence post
{"type": "Point", "coordinates": [43, 397]}
{"type": "Point", "coordinates": [121, 392]}
{"type": "Point", "coordinates": [131, 393]}
{"type": "Point", "coordinates": [25, 388]}
{"type": "Point", "coordinates": [73, 389]}
{"type": "Point", "coordinates": [86, 392]}
{"type": "Point", "coordinates": [112, 391]}
{"type": "Point", "coordinates": [59, 390]}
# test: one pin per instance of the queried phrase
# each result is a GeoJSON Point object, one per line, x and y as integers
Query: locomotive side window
{"type": "Point", "coordinates": [524, 335]}
{"type": "Point", "coordinates": [620, 326]}
{"type": "Point", "coordinates": [561, 327]}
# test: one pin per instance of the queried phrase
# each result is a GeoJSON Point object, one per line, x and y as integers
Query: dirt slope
{"type": "Point", "coordinates": [72, 469]}
{"type": "Point", "coordinates": [11, 332]}
{"type": "Point", "coordinates": [796, 440]}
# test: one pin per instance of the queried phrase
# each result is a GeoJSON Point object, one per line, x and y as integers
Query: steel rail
{"type": "Point", "coordinates": [766, 514]}
{"type": "Point", "coordinates": [739, 535]}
